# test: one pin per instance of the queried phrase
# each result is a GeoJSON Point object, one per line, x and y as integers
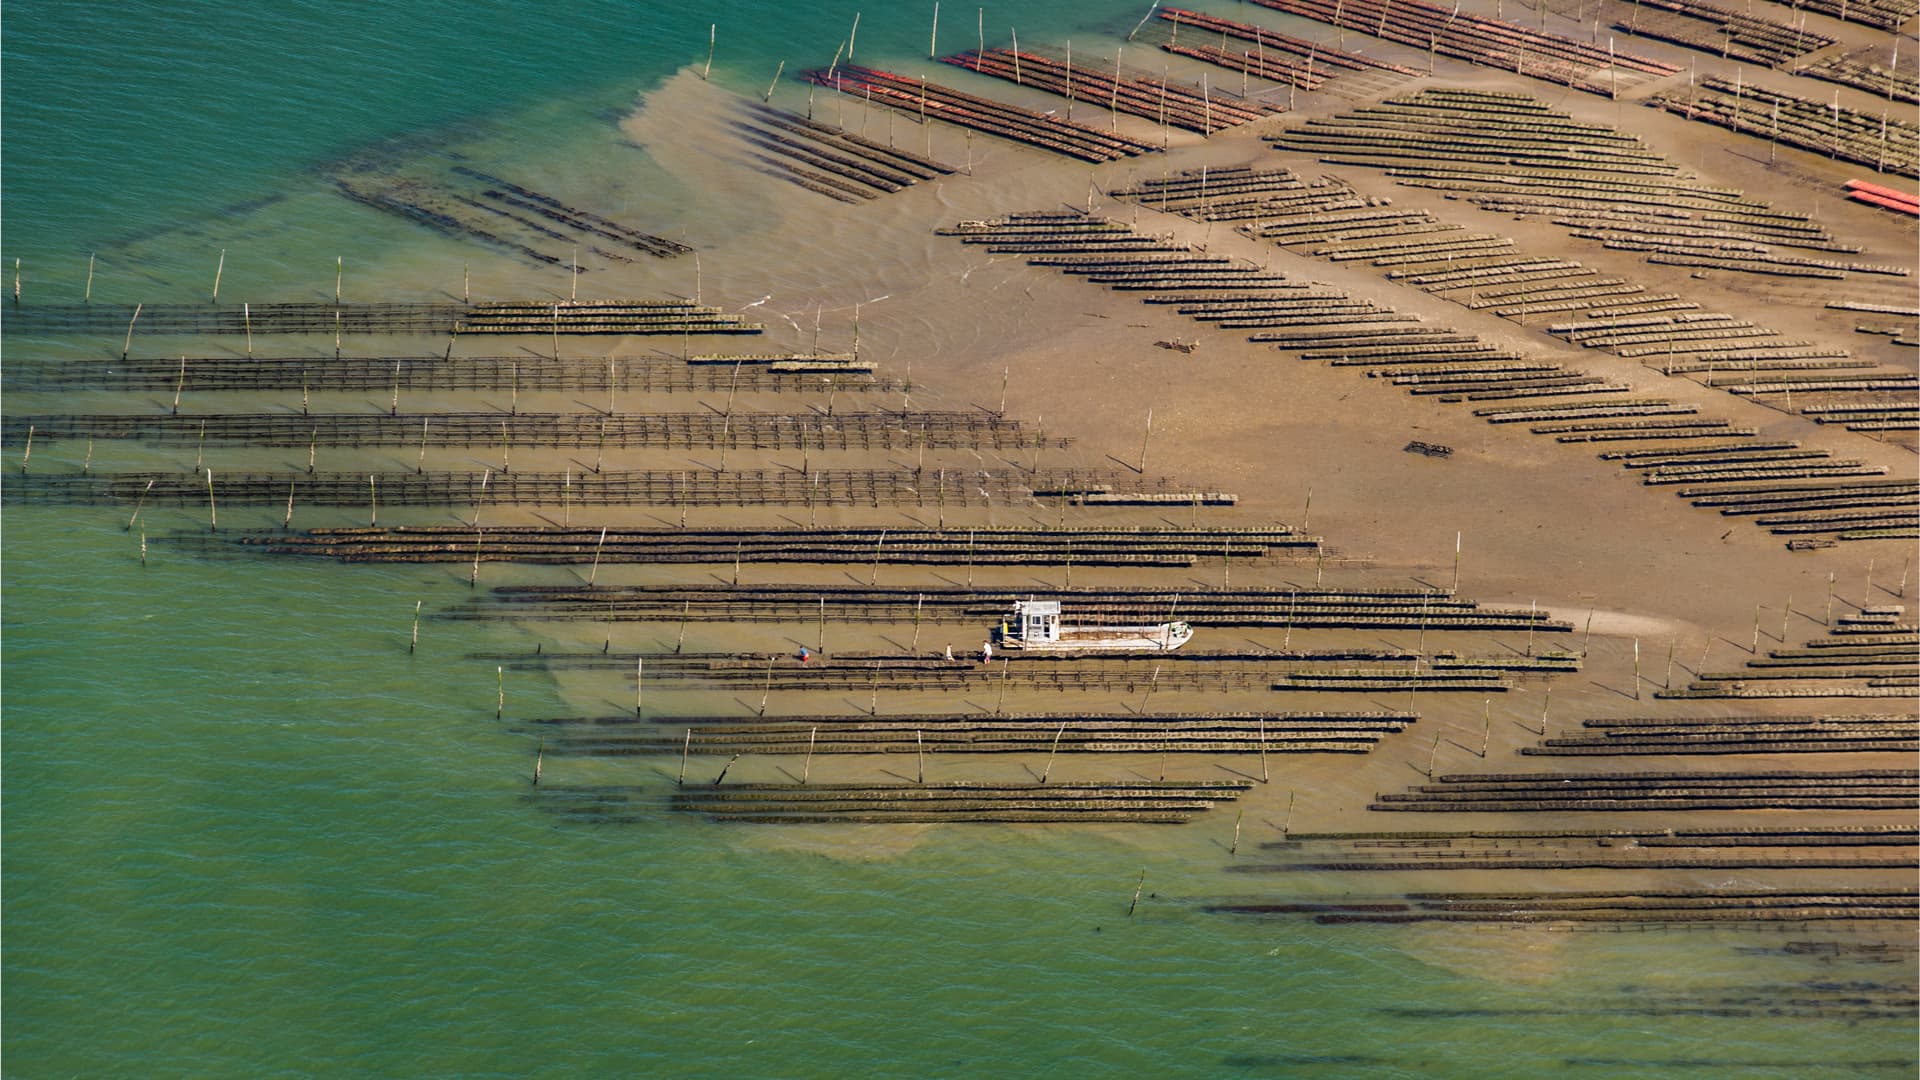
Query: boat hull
{"type": "Point", "coordinates": [1109, 639]}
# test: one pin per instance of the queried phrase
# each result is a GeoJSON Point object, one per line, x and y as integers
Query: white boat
{"type": "Point", "coordinates": [1036, 627]}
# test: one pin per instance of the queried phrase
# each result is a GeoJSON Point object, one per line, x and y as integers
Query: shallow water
{"type": "Point", "coordinates": [246, 833]}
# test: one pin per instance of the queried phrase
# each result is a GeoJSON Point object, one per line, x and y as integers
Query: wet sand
{"type": "Point", "coordinates": [1541, 522]}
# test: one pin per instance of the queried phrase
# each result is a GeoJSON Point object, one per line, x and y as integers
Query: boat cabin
{"type": "Point", "coordinates": [1037, 622]}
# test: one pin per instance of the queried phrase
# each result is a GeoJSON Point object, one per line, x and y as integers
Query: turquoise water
{"type": "Point", "coordinates": [246, 834]}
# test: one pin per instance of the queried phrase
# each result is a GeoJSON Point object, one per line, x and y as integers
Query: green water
{"type": "Point", "coordinates": [246, 834]}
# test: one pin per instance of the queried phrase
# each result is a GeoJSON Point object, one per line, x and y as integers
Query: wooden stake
{"type": "Point", "coordinates": [373, 503]}
{"type": "Point", "coordinates": [500, 690]}
{"type": "Point", "coordinates": [1486, 725]}
{"type": "Point", "coordinates": [1136, 892]}
{"type": "Point", "coordinates": [28, 456]}
{"type": "Point", "coordinates": [1143, 443]}
{"type": "Point", "coordinates": [1152, 685]}
{"type": "Point", "coordinates": [1143, 19]}
{"type": "Point", "coordinates": [777, 72]}
{"type": "Point", "coordinates": [143, 545]}
{"type": "Point", "coordinates": [414, 644]}
{"type": "Point", "coordinates": [685, 747]}
{"type": "Point", "coordinates": [1533, 614]}
{"type": "Point", "coordinates": [1755, 648]}
{"type": "Point", "coordinates": [213, 513]}
{"type": "Point", "coordinates": [1001, 701]}
{"type": "Point", "coordinates": [1307, 513]}
{"type": "Point", "coordinates": [1636, 669]}
{"type": "Point", "coordinates": [640, 685]}
{"type": "Point", "coordinates": [1264, 776]}
{"type": "Point", "coordinates": [1016, 82]}
{"type": "Point", "coordinates": [539, 759]}
{"type": "Point", "coordinates": [920, 747]}
{"type": "Point", "coordinates": [1287, 822]}
{"type": "Point", "coordinates": [915, 646]}
{"type": "Point", "coordinates": [124, 349]}
{"type": "Point", "coordinates": [137, 503]}
{"type": "Point", "coordinates": [1829, 598]}
{"type": "Point", "coordinates": [217, 271]}
{"type": "Point", "coordinates": [1785, 618]}
{"type": "Point", "coordinates": [723, 770]}
{"type": "Point", "coordinates": [1420, 642]}
{"type": "Point", "coordinates": [1432, 755]}
{"type": "Point", "coordinates": [713, 37]}
{"type": "Point", "coordinates": [767, 690]}
{"type": "Point", "coordinates": [806, 767]}
{"type": "Point", "coordinates": [339, 273]}
{"type": "Point", "coordinates": [1456, 565]}
{"type": "Point", "coordinates": [595, 571]}
{"type": "Point", "coordinates": [1667, 683]}
{"type": "Point", "coordinates": [1048, 770]}
{"type": "Point", "coordinates": [89, 298]}
{"type": "Point", "coordinates": [1234, 850]}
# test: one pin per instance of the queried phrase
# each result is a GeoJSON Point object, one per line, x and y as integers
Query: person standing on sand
{"type": "Point", "coordinates": [949, 652]}
{"type": "Point", "coordinates": [986, 652]}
